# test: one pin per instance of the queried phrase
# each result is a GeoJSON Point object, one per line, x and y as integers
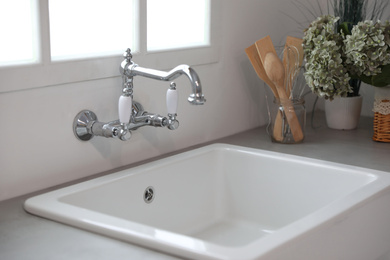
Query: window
{"type": "Point", "coordinates": [106, 29]}
{"type": "Point", "coordinates": [72, 40]}
{"type": "Point", "coordinates": [188, 27]}
{"type": "Point", "coordinates": [18, 28]}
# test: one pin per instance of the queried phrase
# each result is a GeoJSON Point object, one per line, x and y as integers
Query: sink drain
{"type": "Point", "coordinates": [149, 194]}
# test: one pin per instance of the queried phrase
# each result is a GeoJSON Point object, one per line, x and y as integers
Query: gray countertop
{"type": "Point", "coordinates": [24, 236]}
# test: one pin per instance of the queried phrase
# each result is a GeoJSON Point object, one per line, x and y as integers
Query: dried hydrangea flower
{"type": "Point", "coordinates": [325, 73]}
{"type": "Point", "coordinates": [366, 49]}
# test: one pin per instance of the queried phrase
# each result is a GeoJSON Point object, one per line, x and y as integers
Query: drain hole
{"type": "Point", "coordinates": [149, 194]}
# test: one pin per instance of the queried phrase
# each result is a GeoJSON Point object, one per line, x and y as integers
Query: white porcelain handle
{"type": "Point", "coordinates": [125, 106]}
{"type": "Point", "coordinates": [172, 99]}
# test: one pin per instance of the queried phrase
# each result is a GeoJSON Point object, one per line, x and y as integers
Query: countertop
{"type": "Point", "coordinates": [24, 236]}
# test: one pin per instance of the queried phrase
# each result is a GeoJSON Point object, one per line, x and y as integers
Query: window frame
{"type": "Point", "coordinates": [47, 73]}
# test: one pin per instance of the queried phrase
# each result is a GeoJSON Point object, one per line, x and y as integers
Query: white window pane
{"type": "Point", "coordinates": [18, 32]}
{"type": "Point", "coordinates": [175, 24]}
{"type": "Point", "coordinates": [90, 28]}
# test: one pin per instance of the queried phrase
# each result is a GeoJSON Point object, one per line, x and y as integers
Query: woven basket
{"type": "Point", "coordinates": [381, 127]}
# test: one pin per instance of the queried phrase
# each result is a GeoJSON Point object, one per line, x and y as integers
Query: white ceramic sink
{"type": "Point", "coordinates": [227, 202]}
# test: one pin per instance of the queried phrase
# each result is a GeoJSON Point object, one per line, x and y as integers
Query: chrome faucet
{"type": "Point", "coordinates": [131, 113]}
{"type": "Point", "coordinates": [129, 69]}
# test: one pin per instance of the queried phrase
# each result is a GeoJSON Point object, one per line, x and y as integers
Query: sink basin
{"type": "Point", "coordinates": [229, 202]}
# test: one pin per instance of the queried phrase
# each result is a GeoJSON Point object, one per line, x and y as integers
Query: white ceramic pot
{"type": "Point", "coordinates": [343, 113]}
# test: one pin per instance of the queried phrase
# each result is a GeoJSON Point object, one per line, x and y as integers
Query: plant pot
{"type": "Point", "coordinates": [343, 113]}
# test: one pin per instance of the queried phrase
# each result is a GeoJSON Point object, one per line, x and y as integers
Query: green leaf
{"type": "Point", "coordinates": [381, 80]}
{"type": "Point", "coordinates": [345, 28]}
{"type": "Point", "coordinates": [366, 79]}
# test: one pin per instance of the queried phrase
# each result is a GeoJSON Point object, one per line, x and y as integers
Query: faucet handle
{"type": "Point", "coordinates": [125, 105]}
{"type": "Point", "coordinates": [172, 99]}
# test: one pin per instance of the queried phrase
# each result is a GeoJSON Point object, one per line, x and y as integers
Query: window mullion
{"type": "Point", "coordinates": [142, 25]}
{"type": "Point", "coordinates": [44, 31]}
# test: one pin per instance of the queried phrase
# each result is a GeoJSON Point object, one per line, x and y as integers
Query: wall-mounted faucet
{"type": "Point", "coordinates": [131, 113]}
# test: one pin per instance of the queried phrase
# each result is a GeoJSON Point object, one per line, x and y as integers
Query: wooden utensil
{"type": "Point", "coordinates": [273, 66]}
{"type": "Point", "coordinates": [254, 58]}
{"type": "Point", "coordinates": [264, 47]}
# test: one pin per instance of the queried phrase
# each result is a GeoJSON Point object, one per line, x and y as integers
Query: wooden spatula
{"type": "Point", "coordinates": [254, 58]}
{"type": "Point", "coordinates": [265, 46]}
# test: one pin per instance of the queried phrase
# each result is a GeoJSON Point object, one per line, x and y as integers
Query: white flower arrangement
{"type": "Point", "coordinates": [334, 55]}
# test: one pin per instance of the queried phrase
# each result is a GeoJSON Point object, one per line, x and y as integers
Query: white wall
{"type": "Point", "coordinates": [38, 147]}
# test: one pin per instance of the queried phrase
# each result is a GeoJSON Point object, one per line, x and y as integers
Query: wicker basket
{"type": "Point", "coordinates": [381, 127]}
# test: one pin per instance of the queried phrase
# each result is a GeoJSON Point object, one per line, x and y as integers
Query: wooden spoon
{"type": "Point", "coordinates": [264, 46]}
{"type": "Point", "coordinates": [254, 57]}
{"type": "Point", "coordinates": [274, 68]}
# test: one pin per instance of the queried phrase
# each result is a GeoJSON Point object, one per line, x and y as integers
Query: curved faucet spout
{"type": "Point", "coordinates": [195, 98]}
